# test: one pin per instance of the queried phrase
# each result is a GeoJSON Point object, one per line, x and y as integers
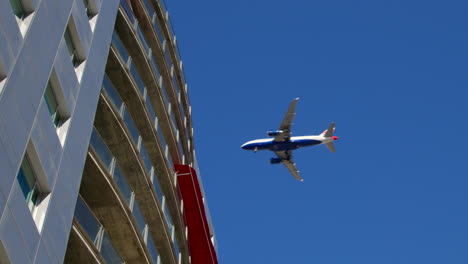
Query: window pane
{"type": "Point", "coordinates": [17, 8]}
{"type": "Point", "coordinates": [87, 220]}
{"type": "Point", "coordinates": [112, 93]}
{"type": "Point", "coordinates": [71, 48]}
{"type": "Point", "coordinates": [26, 178]}
{"type": "Point", "coordinates": [101, 149]}
{"type": "Point", "coordinates": [52, 105]}
{"type": "Point", "coordinates": [69, 42]}
{"type": "Point", "coordinates": [122, 184]}
{"type": "Point", "coordinates": [139, 217]}
{"type": "Point", "coordinates": [108, 251]}
{"type": "Point", "coordinates": [50, 99]}
{"type": "Point", "coordinates": [32, 198]}
{"type": "Point", "coordinates": [131, 127]}
{"type": "Point", "coordinates": [23, 182]}
{"type": "Point", "coordinates": [152, 249]}
{"type": "Point", "coordinates": [27, 181]}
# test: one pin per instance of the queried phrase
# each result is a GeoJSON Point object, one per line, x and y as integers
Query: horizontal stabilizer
{"type": "Point", "coordinates": [330, 146]}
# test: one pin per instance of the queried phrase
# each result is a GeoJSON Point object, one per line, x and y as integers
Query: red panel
{"type": "Point", "coordinates": [201, 248]}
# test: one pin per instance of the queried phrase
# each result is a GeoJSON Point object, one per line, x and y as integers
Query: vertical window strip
{"type": "Point", "coordinates": [71, 47]}
{"type": "Point", "coordinates": [52, 105]}
{"type": "Point", "coordinates": [18, 9]}
{"type": "Point", "coordinates": [28, 184]}
{"type": "Point", "coordinates": [86, 5]}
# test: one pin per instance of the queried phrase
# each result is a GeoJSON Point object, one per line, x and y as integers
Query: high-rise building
{"type": "Point", "coordinates": [97, 162]}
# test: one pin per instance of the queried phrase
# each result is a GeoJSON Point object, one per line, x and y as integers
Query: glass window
{"type": "Point", "coordinates": [112, 93]}
{"type": "Point", "coordinates": [122, 184]}
{"type": "Point", "coordinates": [139, 217]}
{"type": "Point", "coordinates": [52, 105]}
{"type": "Point", "coordinates": [167, 215]}
{"type": "Point", "coordinates": [86, 5]}
{"type": "Point", "coordinates": [28, 184]}
{"type": "Point", "coordinates": [152, 249]}
{"type": "Point", "coordinates": [131, 128]}
{"type": "Point", "coordinates": [108, 252]}
{"type": "Point", "coordinates": [87, 220]}
{"type": "Point", "coordinates": [121, 50]}
{"type": "Point", "coordinates": [137, 78]}
{"type": "Point", "coordinates": [17, 8]}
{"type": "Point", "coordinates": [146, 159]}
{"type": "Point", "coordinates": [101, 149]}
{"type": "Point", "coordinates": [71, 47]}
{"type": "Point", "coordinates": [154, 179]}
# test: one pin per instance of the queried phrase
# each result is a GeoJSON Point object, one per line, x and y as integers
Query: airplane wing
{"type": "Point", "coordinates": [285, 126]}
{"type": "Point", "coordinates": [286, 157]}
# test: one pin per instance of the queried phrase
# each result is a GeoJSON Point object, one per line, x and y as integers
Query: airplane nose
{"type": "Point", "coordinates": [335, 138]}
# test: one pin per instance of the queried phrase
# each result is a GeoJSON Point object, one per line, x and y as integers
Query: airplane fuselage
{"type": "Point", "coordinates": [291, 144]}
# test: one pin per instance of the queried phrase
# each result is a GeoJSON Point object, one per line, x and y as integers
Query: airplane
{"type": "Point", "coordinates": [282, 144]}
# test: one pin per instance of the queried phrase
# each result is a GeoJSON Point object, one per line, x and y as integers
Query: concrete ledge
{"type": "Point", "coordinates": [104, 199]}
{"type": "Point", "coordinates": [137, 108]}
{"type": "Point", "coordinates": [139, 59]}
{"type": "Point", "coordinates": [114, 134]}
{"type": "Point", "coordinates": [80, 248]}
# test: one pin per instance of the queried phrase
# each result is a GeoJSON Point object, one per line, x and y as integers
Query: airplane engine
{"type": "Point", "coordinates": [275, 160]}
{"type": "Point", "coordinates": [274, 133]}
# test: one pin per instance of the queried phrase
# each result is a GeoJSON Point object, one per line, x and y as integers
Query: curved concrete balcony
{"type": "Point", "coordinates": [141, 61]}
{"type": "Point", "coordinates": [151, 36]}
{"type": "Point", "coordinates": [163, 18]}
{"type": "Point", "coordinates": [136, 106]}
{"type": "Point", "coordinates": [118, 139]}
{"type": "Point", "coordinates": [109, 206]}
{"type": "Point", "coordinates": [80, 248]}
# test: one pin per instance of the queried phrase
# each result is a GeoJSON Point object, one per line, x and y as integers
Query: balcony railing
{"type": "Point", "coordinates": [112, 166]}
{"type": "Point", "coordinates": [164, 7]}
{"type": "Point", "coordinates": [155, 67]}
{"type": "Point", "coordinates": [113, 95]}
{"type": "Point", "coordinates": [136, 77]}
{"type": "Point", "coordinates": [173, 121]}
{"type": "Point", "coordinates": [95, 231]}
{"type": "Point", "coordinates": [128, 120]}
{"type": "Point", "coordinates": [128, 11]}
{"type": "Point", "coordinates": [153, 251]}
{"type": "Point", "coordinates": [139, 217]}
{"type": "Point", "coordinates": [157, 28]}
{"type": "Point", "coordinates": [167, 215]}
{"type": "Point", "coordinates": [101, 150]}
{"type": "Point", "coordinates": [142, 39]}
{"type": "Point", "coordinates": [122, 184]}
{"type": "Point", "coordinates": [177, 250]}
{"type": "Point", "coordinates": [108, 251]}
{"type": "Point", "coordinates": [151, 111]}
{"type": "Point", "coordinates": [164, 93]}
{"type": "Point", "coordinates": [166, 54]}
{"type": "Point", "coordinates": [149, 6]}
{"type": "Point", "coordinates": [170, 26]}
{"type": "Point", "coordinates": [146, 159]}
{"type": "Point", "coordinates": [174, 82]}
{"type": "Point", "coordinates": [120, 47]}
{"type": "Point", "coordinates": [88, 221]}
{"type": "Point", "coordinates": [154, 180]}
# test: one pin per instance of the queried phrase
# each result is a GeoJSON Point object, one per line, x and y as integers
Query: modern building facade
{"type": "Point", "coordinates": [97, 162]}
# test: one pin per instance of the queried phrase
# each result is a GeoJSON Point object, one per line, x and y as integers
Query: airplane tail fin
{"type": "Point", "coordinates": [329, 131]}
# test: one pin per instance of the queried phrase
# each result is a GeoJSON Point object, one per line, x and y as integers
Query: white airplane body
{"type": "Point", "coordinates": [283, 144]}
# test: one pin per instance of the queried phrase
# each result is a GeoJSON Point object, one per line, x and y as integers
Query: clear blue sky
{"type": "Point", "coordinates": [393, 75]}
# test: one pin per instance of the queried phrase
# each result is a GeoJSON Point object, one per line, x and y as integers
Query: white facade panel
{"type": "Point", "coordinates": [26, 125]}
